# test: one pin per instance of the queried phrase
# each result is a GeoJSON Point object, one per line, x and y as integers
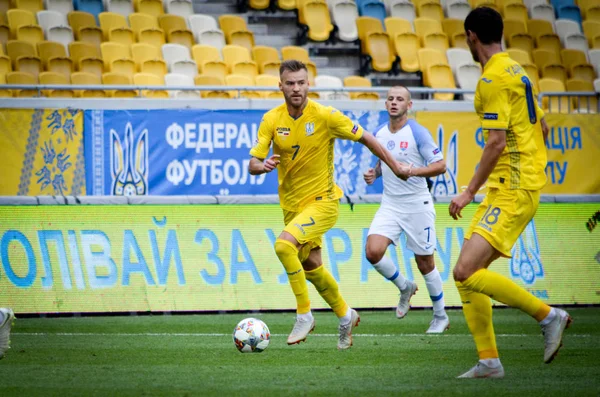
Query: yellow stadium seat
{"type": "Point", "coordinates": [79, 50]}
{"type": "Point", "coordinates": [358, 81]}
{"type": "Point", "coordinates": [31, 33]}
{"type": "Point", "coordinates": [150, 7]}
{"type": "Point", "coordinates": [238, 61]}
{"type": "Point", "coordinates": [4, 6]}
{"type": "Point", "coordinates": [436, 41]}
{"type": "Point", "coordinates": [17, 18]}
{"type": "Point", "coordinates": [591, 30]}
{"type": "Point", "coordinates": [554, 104]}
{"type": "Point", "coordinates": [211, 81]}
{"type": "Point", "coordinates": [550, 42]}
{"type": "Point", "coordinates": [4, 93]}
{"type": "Point", "coordinates": [82, 78]}
{"type": "Point", "coordinates": [118, 79]}
{"type": "Point", "coordinates": [543, 57]}
{"type": "Point", "coordinates": [596, 42]}
{"type": "Point", "coordinates": [440, 76]}
{"type": "Point", "coordinates": [156, 67]}
{"type": "Point", "coordinates": [532, 72]}
{"type": "Point", "coordinates": [286, 5]}
{"type": "Point", "coordinates": [516, 11]}
{"type": "Point", "coordinates": [22, 78]}
{"type": "Point", "coordinates": [148, 79]}
{"type": "Point", "coordinates": [484, 3]}
{"type": "Point", "coordinates": [593, 14]}
{"type": "Point", "coordinates": [428, 57]}
{"type": "Point", "coordinates": [265, 80]}
{"type": "Point", "coordinates": [32, 6]}
{"type": "Point", "coordinates": [519, 56]}
{"type": "Point", "coordinates": [378, 46]}
{"type": "Point", "coordinates": [459, 40]}
{"type": "Point", "coordinates": [502, 3]}
{"type": "Point", "coordinates": [366, 26]}
{"type": "Point", "coordinates": [265, 57]}
{"type": "Point", "coordinates": [259, 4]}
{"type": "Point", "coordinates": [425, 26]}
{"type": "Point", "coordinates": [240, 80]}
{"type": "Point", "coordinates": [52, 78]}
{"type": "Point", "coordinates": [140, 22]}
{"type": "Point", "coordinates": [582, 104]}
{"type": "Point", "coordinates": [123, 36]}
{"type": "Point", "coordinates": [395, 26]}
{"type": "Point", "coordinates": [555, 72]}
{"type": "Point", "coordinates": [407, 47]}
{"type": "Point", "coordinates": [50, 49]}
{"type": "Point", "coordinates": [521, 41]}
{"type": "Point", "coordinates": [155, 37]}
{"type": "Point", "coordinates": [315, 13]}
{"type": "Point", "coordinates": [513, 27]}
{"type": "Point", "coordinates": [417, 3]}
{"type": "Point", "coordinates": [244, 39]}
{"type": "Point", "coordinates": [62, 66]}
{"type": "Point", "coordinates": [536, 27]}
{"type": "Point", "coordinates": [17, 50]}
{"type": "Point", "coordinates": [142, 52]}
{"type": "Point", "coordinates": [176, 30]}
{"type": "Point", "coordinates": [452, 26]}
{"type": "Point", "coordinates": [431, 10]}
{"type": "Point", "coordinates": [84, 27]}
{"type": "Point", "coordinates": [5, 65]}
{"type": "Point", "coordinates": [117, 58]}
{"type": "Point", "coordinates": [571, 57]}
{"type": "Point", "coordinates": [583, 72]}
{"type": "Point", "coordinates": [92, 65]}
{"type": "Point", "coordinates": [585, 5]}
{"type": "Point", "coordinates": [236, 31]}
{"type": "Point", "coordinates": [209, 60]}
{"type": "Point", "coordinates": [110, 21]}
{"type": "Point", "coordinates": [4, 35]}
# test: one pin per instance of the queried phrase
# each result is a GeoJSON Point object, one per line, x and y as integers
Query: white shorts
{"type": "Point", "coordinates": [418, 227]}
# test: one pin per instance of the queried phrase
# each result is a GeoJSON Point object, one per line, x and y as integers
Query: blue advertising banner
{"type": "Point", "coordinates": [197, 152]}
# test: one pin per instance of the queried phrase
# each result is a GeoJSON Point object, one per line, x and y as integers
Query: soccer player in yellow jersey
{"type": "Point", "coordinates": [303, 132]}
{"type": "Point", "coordinates": [513, 163]}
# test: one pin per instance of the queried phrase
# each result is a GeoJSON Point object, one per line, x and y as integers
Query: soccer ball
{"type": "Point", "coordinates": [251, 336]}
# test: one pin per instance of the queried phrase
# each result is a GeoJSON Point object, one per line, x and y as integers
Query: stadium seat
{"type": "Point", "coordinates": [93, 7]}
{"type": "Point", "coordinates": [118, 79]}
{"type": "Point", "coordinates": [84, 27]}
{"type": "Point", "coordinates": [591, 30]}
{"type": "Point", "coordinates": [530, 3]}
{"type": "Point", "coordinates": [61, 6]}
{"type": "Point", "coordinates": [81, 50]}
{"type": "Point", "coordinates": [50, 49]}
{"type": "Point", "coordinates": [585, 5]}
{"type": "Point", "coordinates": [366, 26]}
{"type": "Point", "coordinates": [258, 4]}
{"type": "Point", "coordinates": [424, 26]}
{"type": "Point", "coordinates": [593, 14]}
{"type": "Point", "coordinates": [429, 57]}
{"type": "Point", "coordinates": [265, 80]}
{"type": "Point", "coordinates": [582, 104]}
{"type": "Point", "coordinates": [440, 76]}
{"type": "Point", "coordinates": [241, 80]}
{"type": "Point", "coordinates": [180, 80]}
{"type": "Point", "coordinates": [517, 12]}
{"type": "Point", "coordinates": [358, 81]}
{"type": "Point", "coordinates": [431, 10]}
{"type": "Point", "coordinates": [150, 7]}
{"type": "Point", "coordinates": [155, 37]}
{"type": "Point", "coordinates": [49, 19]}
{"type": "Point", "coordinates": [566, 27]}
{"type": "Point", "coordinates": [17, 18]}
{"type": "Point", "coordinates": [543, 11]}
{"type": "Point", "coordinates": [122, 7]}
{"type": "Point", "coordinates": [201, 80]}
{"type": "Point", "coordinates": [148, 79]}
{"type": "Point", "coordinates": [178, 58]}
{"type": "Point", "coordinates": [32, 6]}
{"type": "Point", "coordinates": [5, 65]}
{"type": "Point", "coordinates": [522, 41]}
{"type": "Point", "coordinates": [486, 3]}
{"type": "Point", "coordinates": [458, 9]}
{"type": "Point", "coordinates": [554, 104]}
{"type": "Point", "coordinates": [513, 27]}
{"type": "Point", "coordinates": [182, 8]}
{"type": "Point", "coordinates": [209, 62]}
{"type": "Point", "coordinates": [52, 78]}
{"type": "Point", "coordinates": [519, 56]}
{"type": "Point", "coordinates": [569, 12]}
{"type": "Point", "coordinates": [142, 52]}
{"type": "Point", "coordinates": [315, 13]}
{"type": "Point", "coordinates": [403, 9]}
{"type": "Point", "coordinates": [30, 33]}
{"type": "Point", "coordinates": [556, 72]}
{"type": "Point", "coordinates": [576, 41]}
{"type": "Point", "coordinates": [16, 49]}
{"type": "Point", "coordinates": [344, 14]}
{"type": "Point", "coordinates": [239, 61]}
{"type": "Point", "coordinates": [236, 32]}
{"type": "Point", "coordinates": [22, 78]}
{"type": "Point", "coordinates": [550, 42]}
{"type": "Point", "coordinates": [407, 46]}
{"type": "Point", "coordinates": [117, 58]}
{"type": "Point", "coordinates": [110, 21]}
{"type": "Point", "coordinates": [452, 26]}
{"type": "Point", "coordinates": [201, 23]}
{"type": "Point", "coordinates": [82, 78]}
{"type": "Point", "coordinates": [594, 57]}
{"type": "Point", "coordinates": [436, 41]}
{"type": "Point", "coordinates": [142, 22]}
{"type": "Point", "coordinates": [372, 8]}
{"type": "Point", "coordinates": [176, 30]}
{"type": "Point", "coordinates": [286, 5]}
{"type": "Point", "coordinates": [467, 77]}
{"type": "Point", "coordinates": [395, 26]}
{"type": "Point", "coordinates": [92, 65]}
{"type": "Point", "coordinates": [4, 35]}
{"type": "Point", "coordinates": [572, 57]}
{"type": "Point", "coordinates": [457, 57]}
{"type": "Point", "coordinates": [585, 72]}
{"type": "Point", "coordinates": [379, 48]}
{"type": "Point", "coordinates": [536, 27]}
{"type": "Point", "coordinates": [214, 38]}
{"type": "Point", "coordinates": [325, 81]}
{"type": "Point", "coordinates": [267, 59]}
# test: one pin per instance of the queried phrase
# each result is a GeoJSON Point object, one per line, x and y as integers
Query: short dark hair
{"type": "Point", "coordinates": [486, 23]}
{"type": "Point", "coordinates": [292, 65]}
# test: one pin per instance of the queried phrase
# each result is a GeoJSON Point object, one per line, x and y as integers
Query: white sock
{"type": "Point", "coordinates": [549, 317]}
{"type": "Point", "coordinates": [1, 317]}
{"type": "Point", "coordinates": [305, 316]}
{"type": "Point", "coordinates": [436, 293]}
{"type": "Point", "coordinates": [387, 269]}
{"type": "Point", "coordinates": [491, 362]}
{"type": "Point", "coordinates": [345, 319]}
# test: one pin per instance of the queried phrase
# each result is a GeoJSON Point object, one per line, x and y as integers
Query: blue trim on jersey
{"type": "Point", "coordinates": [436, 298]}
{"type": "Point", "coordinates": [395, 276]}
{"type": "Point", "coordinates": [420, 133]}
{"type": "Point", "coordinates": [379, 128]}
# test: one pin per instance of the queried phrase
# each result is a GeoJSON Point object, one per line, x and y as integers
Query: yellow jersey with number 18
{"type": "Point", "coordinates": [505, 100]}
{"type": "Point", "coordinates": [305, 144]}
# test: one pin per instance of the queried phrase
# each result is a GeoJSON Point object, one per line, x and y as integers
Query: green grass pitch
{"type": "Point", "coordinates": [193, 355]}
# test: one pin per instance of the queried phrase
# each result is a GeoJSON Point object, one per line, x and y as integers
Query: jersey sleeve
{"type": "Point", "coordinates": [263, 141]}
{"type": "Point", "coordinates": [495, 104]}
{"type": "Point", "coordinates": [340, 126]}
{"type": "Point", "coordinates": [428, 149]}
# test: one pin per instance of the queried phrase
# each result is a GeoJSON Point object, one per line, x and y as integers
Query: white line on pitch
{"type": "Point", "coordinates": [278, 335]}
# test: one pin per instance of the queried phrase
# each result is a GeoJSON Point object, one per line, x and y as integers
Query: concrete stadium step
{"type": "Point", "coordinates": [273, 41]}
{"type": "Point", "coordinates": [215, 7]}
{"type": "Point", "coordinates": [338, 72]}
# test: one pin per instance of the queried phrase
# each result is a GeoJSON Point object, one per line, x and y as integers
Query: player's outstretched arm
{"type": "Point", "coordinates": [489, 158]}
{"type": "Point", "coordinates": [260, 166]}
{"type": "Point", "coordinates": [400, 170]}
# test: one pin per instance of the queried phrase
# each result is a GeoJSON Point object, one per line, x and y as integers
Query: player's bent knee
{"type": "Point", "coordinates": [460, 273]}
{"type": "Point", "coordinates": [373, 255]}
{"type": "Point", "coordinates": [283, 248]}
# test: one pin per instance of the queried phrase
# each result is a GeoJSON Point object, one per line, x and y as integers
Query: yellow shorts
{"type": "Point", "coordinates": [503, 215]}
{"type": "Point", "coordinates": [312, 222]}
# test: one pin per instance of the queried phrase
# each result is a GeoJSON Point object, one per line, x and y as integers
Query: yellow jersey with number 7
{"type": "Point", "coordinates": [505, 100]}
{"type": "Point", "coordinates": [306, 147]}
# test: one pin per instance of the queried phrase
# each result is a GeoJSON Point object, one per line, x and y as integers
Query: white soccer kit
{"type": "Point", "coordinates": [407, 206]}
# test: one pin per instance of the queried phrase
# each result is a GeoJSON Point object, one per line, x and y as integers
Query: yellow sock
{"type": "Point", "coordinates": [288, 255]}
{"type": "Point", "coordinates": [504, 290]}
{"type": "Point", "coordinates": [328, 289]}
{"type": "Point", "coordinates": [477, 309]}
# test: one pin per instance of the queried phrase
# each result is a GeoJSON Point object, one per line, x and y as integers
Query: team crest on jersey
{"type": "Point", "coordinates": [403, 145]}
{"type": "Point", "coordinates": [309, 128]}
{"type": "Point", "coordinates": [391, 145]}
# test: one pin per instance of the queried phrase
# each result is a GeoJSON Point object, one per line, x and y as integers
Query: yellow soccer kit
{"type": "Point", "coordinates": [504, 100]}
{"type": "Point", "coordinates": [308, 193]}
